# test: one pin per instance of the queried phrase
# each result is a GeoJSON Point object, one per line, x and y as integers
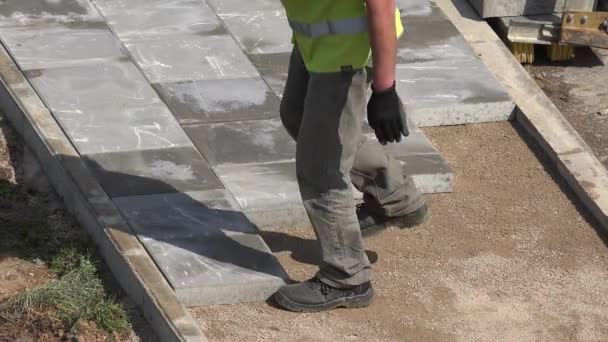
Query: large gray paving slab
{"type": "Point", "coordinates": [243, 142]}
{"type": "Point", "coordinates": [218, 270]}
{"type": "Point", "coordinates": [151, 172]}
{"type": "Point", "coordinates": [274, 69]}
{"type": "Point", "coordinates": [243, 7]}
{"type": "Point", "coordinates": [22, 12]}
{"type": "Point", "coordinates": [219, 100]}
{"type": "Point", "coordinates": [107, 85]}
{"type": "Point", "coordinates": [190, 57]}
{"type": "Point", "coordinates": [415, 8]}
{"type": "Point", "coordinates": [445, 92]}
{"type": "Point", "coordinates": [429, 35]}
{"type": "Point", "coordinates": [260, 187]}
{"type": "Point", "coordinates": [270, 197]}
{"type": "Point", "coordinates": [421, 160]}
{"type": "Point", "coordinates": [260, 31]}
{"type": "Point", "coordinates": [39, 47]}
{"type": "Point", "coordinates": [205, 246]}
{"type": "Point", "coordinates": [430, 172]}
{"type": "Point", "coordinates": [414, 144]}
{"type": "Point", "coordinates": [512, 8]}
{"type": "Point", "coordinates": [104, 130]}
{"type": "Point", "coordinates": [184, 215]}
{"type": "Point", "coordinates": [428, 40]}
{"type": "Point", "coordinates": [132, 20]}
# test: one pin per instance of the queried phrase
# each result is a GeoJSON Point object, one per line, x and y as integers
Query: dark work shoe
{"type": "Point", "coordinates": [372, 222]}
{"type": "Point", "coordinates": [314, 295]}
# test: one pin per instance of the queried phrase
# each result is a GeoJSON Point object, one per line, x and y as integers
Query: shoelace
{"type": "Point", "coordinates": [359, 207]}
{"type": "Point", "coordinates": [325, 289]}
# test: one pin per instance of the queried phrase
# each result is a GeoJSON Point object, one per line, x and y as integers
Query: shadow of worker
{"type": "Point", "coordinates": [198, 239]}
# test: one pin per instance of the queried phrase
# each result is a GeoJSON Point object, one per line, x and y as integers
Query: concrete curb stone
{"type": "Point", "coordinates": [124, 254]}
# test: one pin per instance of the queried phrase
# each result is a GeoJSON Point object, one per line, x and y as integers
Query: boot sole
{"type": "Point", "coordinates": [360, 301]}
{"type": "Point", "coordinates": [403, 222]}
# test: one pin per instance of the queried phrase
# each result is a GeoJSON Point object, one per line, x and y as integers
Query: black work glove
{"type": "Point", "coordinates": [386, 116]}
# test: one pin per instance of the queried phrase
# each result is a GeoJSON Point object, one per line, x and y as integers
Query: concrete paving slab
{"type": "Point", "coordinates": [416, 143]}
{"type": "Point", "coordinates": [243, 7]}
{"type": "Point", "coordinates": [421, 160]}
{"type": "Point", "coordinates": [260, 32]}
{"type": "Point", "coordinates": [243, 142]}
{"type": "Point", "coordinates": [107, 85]}
{"type": "Point", "coordinates": [48, 46]}
{"type": "Point", "coordinates": [183, 58]}
{"type": "Point", "coordinates": [20, 12]}
{"type": "Point", "coordinates": [269, 193]}
{"type": "Point", "coordinates": [449, 92]}
{"type": "Point", "coordinates": [132, 20]}
{"type": "Point", "coordinates": [415, 8]}
{"type": "Point", "coordinates": [273, 68]}
{"type": "Point", "coordinates": [124, 129]}
{"type": "Point", "coordinates": [512, 8]}
{"type": "Point", "coordinates": [430, 172]}
{"type": "Point", "coordinates": [184, 215]}
{"type": "Point", "coordinates": [431, 37]}
{"type": "Point", "coordinates": [151, 172]}
{"type": "Point", "coordinates": [219, 100]}
{"type": "Point", "coordinates": [262, 187]}
{"type": "Point", "coordinates": [218, 270]}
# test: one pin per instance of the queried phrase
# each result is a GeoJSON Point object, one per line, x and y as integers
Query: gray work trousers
{"type": "Point", "coordinates": [324, 113]}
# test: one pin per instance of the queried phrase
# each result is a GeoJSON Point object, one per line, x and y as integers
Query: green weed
{"type": "Point", "coordinates": [78, 294]}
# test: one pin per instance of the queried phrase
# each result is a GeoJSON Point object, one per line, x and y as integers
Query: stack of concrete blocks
{"type": "Point", "coordinates": [514, 8]}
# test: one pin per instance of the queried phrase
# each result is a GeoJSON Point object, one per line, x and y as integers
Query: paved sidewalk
{"type": "Point", "coordinates": [174, 106]}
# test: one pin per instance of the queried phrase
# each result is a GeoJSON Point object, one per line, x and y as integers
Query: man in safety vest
{"type": "Point", "coordinates": [323, 109]}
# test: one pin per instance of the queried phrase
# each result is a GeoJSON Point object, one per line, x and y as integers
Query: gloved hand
{"type": "Point", "coordinates": [386, 115]}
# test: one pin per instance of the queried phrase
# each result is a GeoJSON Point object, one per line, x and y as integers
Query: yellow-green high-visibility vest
{"type": "Point", "coordinates": [332, 35]}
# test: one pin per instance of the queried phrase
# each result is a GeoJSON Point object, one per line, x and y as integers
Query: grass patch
{"type": "Point", "coordinates": [78, 294]}
{"type": "Point", "coordinates": [35, 227]}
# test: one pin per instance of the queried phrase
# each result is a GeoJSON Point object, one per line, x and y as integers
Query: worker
{"type": "Point", "coordinates": [323, 109]}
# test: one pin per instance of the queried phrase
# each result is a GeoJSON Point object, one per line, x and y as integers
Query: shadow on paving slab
{"type": "Point", "coordinates": [177, 228]}
{"type": "Point", "coordinates": [197, 242]}
{"type": "Point", "coordinates": [306, 251]}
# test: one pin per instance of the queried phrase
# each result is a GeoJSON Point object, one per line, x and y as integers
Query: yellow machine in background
{"type": "Point", "coordinates": [583, 23]}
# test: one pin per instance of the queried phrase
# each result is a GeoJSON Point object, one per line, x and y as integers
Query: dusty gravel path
{"type": "Point", "coordinates": [506, 257]}
{"type": "Point", "coordinates": [580, 90]}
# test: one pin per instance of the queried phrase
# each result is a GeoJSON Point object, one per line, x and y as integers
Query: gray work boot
{"type": "Point", "coordinates": [373, 220]}
{"type": "Point", "coordinates": [314, 295]}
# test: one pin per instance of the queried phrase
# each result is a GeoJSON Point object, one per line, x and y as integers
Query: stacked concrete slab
{"type": "Point", "coordinates": [440, 79]}
{"type": "Point", "coordinates": [173, 104]}
{"type": "Point", "coordinates": [512, 8]}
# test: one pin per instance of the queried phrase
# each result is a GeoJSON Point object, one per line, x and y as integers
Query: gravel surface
{"type": "Point", "coordinates": [506, 257]}
{"type": "Point", "coordinates": [580, 90]}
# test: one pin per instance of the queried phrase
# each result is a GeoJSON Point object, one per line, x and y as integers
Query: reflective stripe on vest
{"type": "Point", "coordinates": [330, 27]}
